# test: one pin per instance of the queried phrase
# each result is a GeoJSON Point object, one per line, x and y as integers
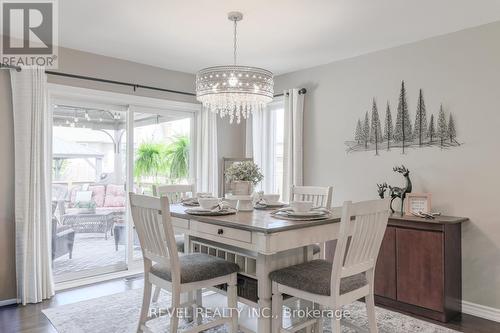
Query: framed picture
{"type": "Point", "coordinates": [228, 161]}
{"type": "Point", "coordinates": [417, 202]}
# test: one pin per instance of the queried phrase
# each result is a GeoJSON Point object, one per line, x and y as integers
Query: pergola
{"type": "Point", "coordinates": [64, 150]}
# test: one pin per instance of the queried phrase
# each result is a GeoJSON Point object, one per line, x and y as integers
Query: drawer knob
{"type": "Point", "coordinates": [220, 231]}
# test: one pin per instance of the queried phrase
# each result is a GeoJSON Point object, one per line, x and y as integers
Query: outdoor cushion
{"type": "Point", "coordinates": [98, 192]}
{"type": "Point", "coordinates": [314, 277]}
{"type": "Point", "coordinates": [115, 196]}
{"type": "Point", "coordinates": [197, 267]}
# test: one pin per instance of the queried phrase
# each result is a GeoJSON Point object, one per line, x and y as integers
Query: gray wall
{"type": "Point", "coordinates": [460, 70]}
{"type": "Point", "coordinates": [232, 142]}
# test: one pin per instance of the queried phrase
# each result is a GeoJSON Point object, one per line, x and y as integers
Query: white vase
{"type": "Point", "coordinates": [242, 187]}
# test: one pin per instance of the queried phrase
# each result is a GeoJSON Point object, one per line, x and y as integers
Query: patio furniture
{"type": "Point", "coordinates": [96, 222]}
{"type": "Point", "coordinates": [120, 234]}
{"type": "Point", "coordinates": [107, 198]}
{"type": "Point", "coordinates": [63, 237]}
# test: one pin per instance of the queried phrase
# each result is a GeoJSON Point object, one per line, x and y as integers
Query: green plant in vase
{"type": "Point", "coordinates": [243, 176]}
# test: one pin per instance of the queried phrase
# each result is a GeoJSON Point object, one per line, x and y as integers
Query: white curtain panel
{"type": "Point", "coordinates": [207, 166]}
{"type": "Point", "coordinates": [248, 137]}
{"type": "Point", "coordinates": [263, 146]}
{"type": "Point", "coordinates": [293, 156]}
{"type": "Point", "coordinates": [32, 138]}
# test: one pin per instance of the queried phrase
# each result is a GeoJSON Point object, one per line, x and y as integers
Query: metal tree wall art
{"type": "Point", "coordinates": [376, 129]}
{"type": "Point", "coordinates": [369, 136]}
{"type": "Point", "coordinates": [388, 128]}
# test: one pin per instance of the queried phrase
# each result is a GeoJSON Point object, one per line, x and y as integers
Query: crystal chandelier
{"type": "Point", "coordinates": [234, 90]}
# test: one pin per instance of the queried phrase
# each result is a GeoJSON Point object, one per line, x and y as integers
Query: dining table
{"type": "Point", "coordinates": [271, 243]}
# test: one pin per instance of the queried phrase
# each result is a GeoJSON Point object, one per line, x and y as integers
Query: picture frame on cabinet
{"type": "Point", "coordinates": [417, 203]}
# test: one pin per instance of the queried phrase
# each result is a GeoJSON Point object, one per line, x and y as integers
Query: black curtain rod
{"type": "Point", "coordinates": [302, 91]}
{"type": "Point", "coordinates": [17, 68]}
{"type": "Point", "coordinates": [128, 84]}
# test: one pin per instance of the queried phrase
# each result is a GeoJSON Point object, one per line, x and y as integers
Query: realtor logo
{"type": "Point", "coordinates": [29, 32]}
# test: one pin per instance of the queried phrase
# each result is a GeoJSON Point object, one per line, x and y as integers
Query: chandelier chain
{"type": "Point", "coordinates": [234, 42]}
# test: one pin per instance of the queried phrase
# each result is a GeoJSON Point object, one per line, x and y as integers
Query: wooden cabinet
{"type": "Point", "coordinates": [385, 270]}
{"type": "Point", "coordinates": [419, 266]}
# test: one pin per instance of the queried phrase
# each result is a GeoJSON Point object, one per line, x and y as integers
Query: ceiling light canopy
{"type": "Point", "coordinates": [234, 90]}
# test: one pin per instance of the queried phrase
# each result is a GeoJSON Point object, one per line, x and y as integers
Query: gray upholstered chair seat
{"type": "Point", "coordinates": [197, 267]}
{"type": "Point", "coordinates": [316, 249]}
{"type": "Point", "coordinates": [314, 277]}
{"type": "Point", "coordinates": [179, 242]}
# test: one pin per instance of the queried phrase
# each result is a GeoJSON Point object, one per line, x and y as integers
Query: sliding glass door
{"type": "Point", "coordinates": [162, 151]}
{"type": "Point", "coordinates": [88, 189]}
{"type": "Point", "coordinates": [100, 152]}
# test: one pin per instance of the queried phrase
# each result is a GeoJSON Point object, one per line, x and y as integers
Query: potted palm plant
{"type": "Point", "coordinates": [243, 176]}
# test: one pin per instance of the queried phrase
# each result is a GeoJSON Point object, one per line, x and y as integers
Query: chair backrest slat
{"type": "Point", "coordinates": [174, 193]}
{"type": "Point", "coordinates": [153, 224]}
{"type": "Point", "coordinates": [362, 229]}
{"type": "Point", "coordinates": [319, 196]}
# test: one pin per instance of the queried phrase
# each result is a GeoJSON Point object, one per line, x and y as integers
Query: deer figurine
{"type": "Point", "coordinates": [381, 188]}
{"type": "Point", "coordinates": [400, 192]}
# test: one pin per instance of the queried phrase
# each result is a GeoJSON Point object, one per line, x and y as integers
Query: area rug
{"type": "Point", "coordinates": [119, 313]}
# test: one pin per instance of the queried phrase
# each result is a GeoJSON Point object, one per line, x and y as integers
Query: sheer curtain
{"type": "Point", "coordinates": [261, 144]}
{"type": "Point", "coordinates": [292, 143]}
{"type": "Point", "coordinates": [32, 140]}
{"type": "Point", "coordinates": [207, 167]}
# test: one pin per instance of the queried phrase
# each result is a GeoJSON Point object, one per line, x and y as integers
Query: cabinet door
{"type": "Point", "coordinates": [385, 271]}
{"type": "Point", "coordinates": [420, 274]}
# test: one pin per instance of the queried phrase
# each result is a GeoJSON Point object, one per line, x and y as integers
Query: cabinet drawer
{"type": "Point", "coordinates": [223, 232]}
{"type": "Point", "coordinates": [180, 223]}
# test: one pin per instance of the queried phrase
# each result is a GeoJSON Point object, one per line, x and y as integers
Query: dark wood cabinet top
{"type": "Point", "coordinates": [443, 219]}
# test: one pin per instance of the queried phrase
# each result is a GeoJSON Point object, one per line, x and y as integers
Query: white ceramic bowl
{"type": "Point", "coordinates": [208, 203]}
{"type": "Point", "coordinates": [301, 206]}
{"type": "Point", "coordinates": [271, 198]}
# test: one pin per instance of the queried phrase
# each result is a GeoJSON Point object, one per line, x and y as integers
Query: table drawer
{"type": "Point", "coordinates": [223, 232]}
{"type": "Point", "coordinates": [180, 223]}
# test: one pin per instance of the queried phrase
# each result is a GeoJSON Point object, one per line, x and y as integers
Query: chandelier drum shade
{"type": "Point", "coordinates": [234, 91]}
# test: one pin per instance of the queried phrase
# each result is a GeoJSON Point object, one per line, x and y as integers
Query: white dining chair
{"type": "Point", "coordinates": [350, 276]}
{"type": "Point", "coordinates": [164, 268]}
{"type": "Point", "coordinates": [320, 196]}
{"type": "Point", "coordinates": [175, 193]}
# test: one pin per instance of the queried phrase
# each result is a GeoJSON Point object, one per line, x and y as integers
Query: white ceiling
{"type": "Point", "coordinates": [279, 35]}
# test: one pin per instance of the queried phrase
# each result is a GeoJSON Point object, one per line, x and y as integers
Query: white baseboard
{"type": "Point", "coordinates": [481, 311]}
{"type": "Point", "coordinates": [8, 302]}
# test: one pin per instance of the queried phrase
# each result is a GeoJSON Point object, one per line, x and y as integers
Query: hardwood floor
{"type": "Point", "coordinates": [29, 319]}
